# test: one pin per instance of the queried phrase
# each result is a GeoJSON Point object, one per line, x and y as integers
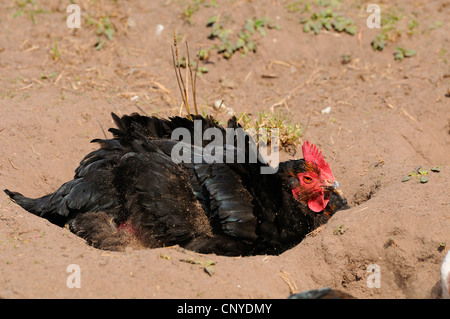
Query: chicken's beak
{"type": "Point", "coordinates": [332, 187]}
{"type": "Point", "coordinates": [336, 188]}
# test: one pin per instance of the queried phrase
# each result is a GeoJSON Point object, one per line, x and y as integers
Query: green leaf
{"type": "Point", "coordinates": [18, 13]}
{"type": "Point", "coordinates": [379, 42]}
{"type": "Point", "coordinates": [262, 32]}
{"type": "Point", "coordinates": [201, 70]}
{"type": "Point", "coordinates": [403, 53]}
{"type": "Point", "coordinates": [424, 179]}
{"type": "Point", "coordinates": [259, 23]}
{"type": "Point", "coordinates": [339, 230]}
{"type": "Point", "coordinates": [406, 178]}
{"type": "Point", "coordinates": [249, 25]}
{"type": "Point", "coordinates": [409, 53]}
{"type": "Point", "coordinates": [316, 26]}
{"type": "Point", "coordinates": [164, 256]}
{"type": "Point", "coordinates": [209, 262]}
{"type": "Point", "coordinates": [99, 44]}
{"type": "Point", "coordinates": [338, 25]}
{"type": "Point", "coordinates": [212, 20]}
{"type": "Point", "coordinates": [303, 20]}
{"type": "Point", "coordinates": [398, 56]}
{"type": "Point", "coordinates": [240, 43]}
{"type": "Point", "coordinates": [251, 46]}
{"type": "Point", "coordinates": [350, 30]}
{"type": "Point", "coordinates": [327, 25]}
{"type": "Point", "coordinates": [109, 32]}
{"type": "Point", "coordinates": [209, 268]}
{"type": "Point", "coordinates": [423, 172]}
{"type": "Point", "coordinates": [306, 27]}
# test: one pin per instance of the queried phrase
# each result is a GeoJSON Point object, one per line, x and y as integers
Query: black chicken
{"type": "Point", "coordinates": [131, 191]}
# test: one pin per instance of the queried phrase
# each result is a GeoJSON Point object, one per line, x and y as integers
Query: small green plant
{"type": "Point", "coordinates": [55, 52]}
{"type": "Point", "coordinates": [164, 256]}
{"type": "Point", "coordinates": [304, 6]}
{"type": "Point", "coordinates": [245, 42]}
{"type": "Point", "coordinates": [346, 58]}
{"type": "Point", "coordinates": [203, 54]}
{"type": "Point", "coordinates": [194, 6]}
{"type": "Point", "coordinates": [401, 53]}
{"type": "Point", "coordinates": [421, 174]}
{"type": "Point", "coordinates": [103, 26]}
{"type": "Point", "coordinates": [190, 10]}
{"type": "Point", "coordinates": [293, 6]}
{"type": "Point", "coordinates": [226, 47]}
{"type": "Point", "coordinates": [28, 7]}
{"type": "Point", "coordinates": [339, 230]}
{"type": "Point", "coordinates": [289, 133]}
{"type": "Point", "coordinates": [379, 42]}
{"type": "Point", "coordinates": [391, 31]}
{"type": "Point", "coordinates": [328, 20]}
{"type": "Point", "coordinates": [200, 69]}
{"type": "Point", "coordinates": [412, 25]}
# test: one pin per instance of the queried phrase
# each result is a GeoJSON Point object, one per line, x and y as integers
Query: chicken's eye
{"type": "Point", "coordinates": [307, 179]}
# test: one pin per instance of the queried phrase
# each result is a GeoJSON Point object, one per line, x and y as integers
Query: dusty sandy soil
{"type": "Point", "coordinates": [387, 117]}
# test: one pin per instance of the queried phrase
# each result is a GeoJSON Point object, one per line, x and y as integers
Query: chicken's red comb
{"type": "Point", "coordinates": [313, 155]}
